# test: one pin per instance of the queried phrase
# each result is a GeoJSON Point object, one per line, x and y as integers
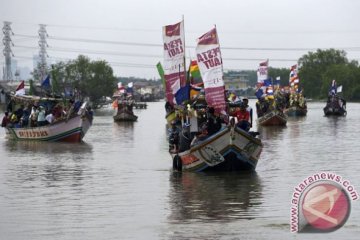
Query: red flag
{"type": "Point", "coordinates": [264, 64]}
{"type": "Point", "coordinates": [20, 90]}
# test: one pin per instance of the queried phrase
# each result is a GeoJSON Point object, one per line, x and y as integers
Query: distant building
{"type": "Point", "coordinates": [236, 81]}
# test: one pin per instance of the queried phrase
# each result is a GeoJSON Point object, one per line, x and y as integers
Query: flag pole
{"type": "Point", "coordinates": [185, 75]}
{"type": "Point", "coordinates": [222, 65]}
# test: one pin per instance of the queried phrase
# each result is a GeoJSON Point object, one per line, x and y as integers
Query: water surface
{"type": "Point", "coordinates": [118, 183]}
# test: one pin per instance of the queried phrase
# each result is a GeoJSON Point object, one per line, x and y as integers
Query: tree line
{"type": "Point", "coordinates": [96, 79]}
{"type": "Point", "coordinates": [316, 71]}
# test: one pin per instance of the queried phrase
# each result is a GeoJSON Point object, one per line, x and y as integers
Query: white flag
{"type": "Point", "coordinates": [339, 89]}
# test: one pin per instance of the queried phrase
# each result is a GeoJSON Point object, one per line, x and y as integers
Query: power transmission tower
{"type": "Point", "coordinates": [7, 74]}
{"type": "Point", "coordinates": [42, 52]}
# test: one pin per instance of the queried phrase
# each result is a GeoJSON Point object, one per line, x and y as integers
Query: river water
{"type": "Point", "coordinates": [118, 184]}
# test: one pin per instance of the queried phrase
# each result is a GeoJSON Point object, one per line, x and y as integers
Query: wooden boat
{"type": "Point", "coordinates": [333, 108]}
{"type": "Point", "coordinates": [230, 149]}
{"type": "Point", "coordinates": [295, 111]}
{"type": "Point", "coordinates": [124, 109]}
{"type": "Point", "coordinates": [71, 127]}
{"type": "Point", "coordinates": [273, 118]}
{"type": "Point", "coordinates": [124, 115]}
{"type": "Point", "coordinates": [335, 105]}
{"type": "Point", "coordinates": [67, 130]}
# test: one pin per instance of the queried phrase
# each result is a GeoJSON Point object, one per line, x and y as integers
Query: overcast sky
{"type": "Point", "coordinates": [280, 30]}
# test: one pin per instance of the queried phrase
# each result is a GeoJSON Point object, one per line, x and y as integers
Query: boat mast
{"type": "Point", "coordinates": [185, 74]}
{"type": "Point", "coordinates": [222, 64]}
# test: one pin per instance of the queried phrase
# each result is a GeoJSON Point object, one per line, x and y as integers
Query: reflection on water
{"type": "Point", "coordinates": [47, 162]}
{"type": "Point", "coordinates": [210, 196]}
{"type": "Point", "coordinates": [52, 148]}
{"type": "Point", "coordinates": [270, 132]}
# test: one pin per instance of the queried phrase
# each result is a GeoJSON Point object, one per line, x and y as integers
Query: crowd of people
{"type": "Point", "coordinates": [39, 114]}
{"type": "Point", "coordinates": [279, 101]}
{"type": "Point", "coordinates": [336, 101]}
{"type": "Point", "coordinates": [124, 102]}
{"type": "Point", "coordinates": [198, 121]}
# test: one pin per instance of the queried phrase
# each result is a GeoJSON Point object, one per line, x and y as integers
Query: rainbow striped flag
{"type": "Point", "coordinates": [194, 69]}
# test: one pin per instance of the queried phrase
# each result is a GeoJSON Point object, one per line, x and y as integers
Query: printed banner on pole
{"type": "Point", "coordinates": [210, 64]}
{"type": "Point", "coordinates": [262, 72]}
{"type": "Point", "coordinates": [174, 58]}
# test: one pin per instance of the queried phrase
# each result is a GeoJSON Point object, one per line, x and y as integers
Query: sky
{"type": "Point", "coordinates": [128, 33]}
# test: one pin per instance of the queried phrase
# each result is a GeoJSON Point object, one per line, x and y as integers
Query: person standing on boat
{"type": "Point", "coordinates": [249, 110]}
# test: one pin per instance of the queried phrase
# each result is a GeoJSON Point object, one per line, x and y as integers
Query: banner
{"type": "Point", "coordinates": [174, 59]}
{"type": "Point", "coordinates": [262, 72]}
{"type": "Point", "coordinates": [210, 65]}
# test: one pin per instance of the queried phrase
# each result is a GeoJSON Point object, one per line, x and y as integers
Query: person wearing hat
{"type": "Point", "coordinates": [41, 121]}
{"type": "Point", "coordinates": [249, 109]}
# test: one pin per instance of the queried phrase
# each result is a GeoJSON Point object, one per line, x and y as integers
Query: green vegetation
{"type": "Point", "coordinates": [318, 69]}
{"type": "Point", "coordinates": [316, 72]}
{"type": "Point", "coordinates": [91, 79]}
{"type": "Point", "coordinates": [95, 79]}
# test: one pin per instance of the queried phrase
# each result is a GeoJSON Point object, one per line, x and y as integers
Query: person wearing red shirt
{"type": "Point", "coordinates": [243, 118]}
{"type": "Point", "coordinates": [5, 120]}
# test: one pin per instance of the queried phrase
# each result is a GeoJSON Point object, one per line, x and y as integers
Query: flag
{"type": "Point", "coordinates": [121, 88]}
{"type": "Point", "coordinates": [277, 81]}
{"type": "Point", "coordinates": [195, 90]}
{"type": "Point", "coordinates": [129, 88]}
{"type": "Point", "coordinates": [174, 58]}
{"type": "Point", "coordinates": [194, 69]}
{"type": "Point", "coordinates": [46, 82]}
{"type": "Point", "coordinates": [267, 82]}
{"type": "Point", "coordinates": [262, 72]}
{"type": "Point", "coordinates": [211, 69]}
{"type": "Point", "coordinates": [259, 93]}
{"type": "Point", "coordinates": [265, 63]}
{"type": "Point", "coordinates": [182, 94]}
{"type": "Point", "coordinates": [339, 88]}
{"type": "Point", "coordinates": [293, 76]}
{"type": "Point", "coordinates": [161, 73]}
{"type": "Point", "coordinates": [20, 90]}
{"type": "Point", "coordinates": [333, 88]}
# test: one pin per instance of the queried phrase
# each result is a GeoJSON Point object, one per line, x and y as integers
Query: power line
{"type": "Point", "coordinates": [87, 51]}
{"type": "Point", "coordinates": [352, 48]}
{"type": "Point", "coordinates": [263, 31]}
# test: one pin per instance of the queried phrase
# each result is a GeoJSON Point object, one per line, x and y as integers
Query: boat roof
{"type": "Point", "coordinates": [32, 98]}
